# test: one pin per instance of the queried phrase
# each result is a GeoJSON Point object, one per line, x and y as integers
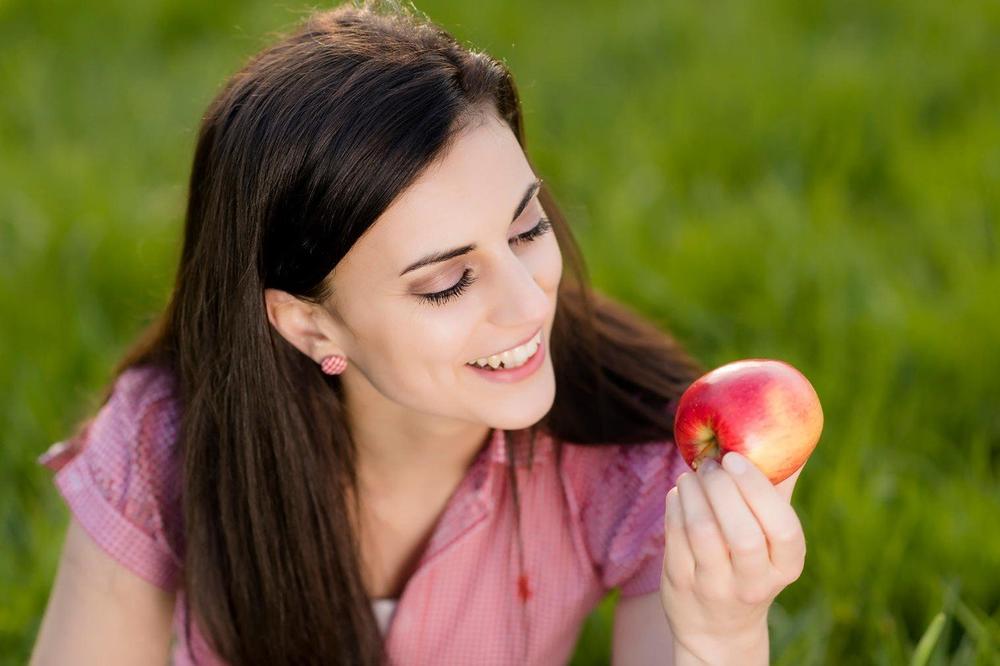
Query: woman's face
{"type": "Point", "coordinates": [409, 347]}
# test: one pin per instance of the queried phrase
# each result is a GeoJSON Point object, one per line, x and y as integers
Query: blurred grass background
{"type": "Point", "coordinates": [812, 181]}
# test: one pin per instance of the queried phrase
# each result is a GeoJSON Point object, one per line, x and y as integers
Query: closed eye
{"type": "Point", "coordinates": [441, 297]}
{"type": "Point", "coordinates": [531, 234]}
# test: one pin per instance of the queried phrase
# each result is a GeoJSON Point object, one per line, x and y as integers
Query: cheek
{"type": "Point", "coordinates": [437, 334]}
{"type": "Point", "coordinates": [550, 268]}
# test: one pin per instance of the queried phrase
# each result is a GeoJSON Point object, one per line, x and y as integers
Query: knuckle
{"type": "Point", "coordinates": [701, 532]}
{"type": "Point", "coordinates": [789, 535]}
{"type": "Point", "coordinates": [714, 592]}
{"type": "Point", "coordinates": [789, 531]}
{"type": "Point", "coordinates": [679, 578]}
{"type": "Point", "coordinates": [756, 594]}
{"type": "Point", "coordinates": [793, 574]}
{"type": "Point", "coordinates": [748, 545]}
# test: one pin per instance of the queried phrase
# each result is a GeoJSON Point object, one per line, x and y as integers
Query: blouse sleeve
{"type": "Point", "coordinates": [118, 476]}
{"type": "Point", "coordinates": [622, 514]}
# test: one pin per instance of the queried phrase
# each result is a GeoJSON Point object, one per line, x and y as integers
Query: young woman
{"type": "Point", "coordinates": [377, 421]}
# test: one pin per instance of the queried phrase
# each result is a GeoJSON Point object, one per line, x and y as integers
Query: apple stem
{"type": "Point", "coordinates": [709, 450]}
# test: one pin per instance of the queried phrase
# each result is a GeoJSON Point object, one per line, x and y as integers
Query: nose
{"type": "Point", "coordinates": [521, 301]}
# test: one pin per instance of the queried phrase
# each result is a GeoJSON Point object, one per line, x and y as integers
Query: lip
{"type": "Point", "coordinates": [533, 363]}
{"type": "Point", "coordinates": [518, 344]}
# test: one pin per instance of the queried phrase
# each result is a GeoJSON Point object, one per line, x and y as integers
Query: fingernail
{"type": "Point", "coordinates": [734, 463]}
{"type": "Point", "coordinates": [708, 466]}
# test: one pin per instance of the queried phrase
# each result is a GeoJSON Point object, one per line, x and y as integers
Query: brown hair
{"type": "Point", "coordinates": [296, 157]}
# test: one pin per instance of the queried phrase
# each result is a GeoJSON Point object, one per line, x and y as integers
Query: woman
{"type": "Point", "coordinates": [342, 441]}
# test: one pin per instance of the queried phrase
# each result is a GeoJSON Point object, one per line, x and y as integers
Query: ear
{"type": "Point", "coordinates": [295, 320]}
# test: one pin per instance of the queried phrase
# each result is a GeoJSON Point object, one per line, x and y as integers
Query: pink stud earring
{"type": "Point", "coordinates": [334, 365]}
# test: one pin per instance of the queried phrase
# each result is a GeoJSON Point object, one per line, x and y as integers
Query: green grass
{"type": "Point", "coordinates": [812, 181]}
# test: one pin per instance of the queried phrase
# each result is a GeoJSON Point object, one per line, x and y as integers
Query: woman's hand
{"type": "Point", "coordinates": [733, 542]}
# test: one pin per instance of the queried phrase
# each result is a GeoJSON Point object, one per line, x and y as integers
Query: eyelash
{"type": "Point", "coordinates": [441, 297]}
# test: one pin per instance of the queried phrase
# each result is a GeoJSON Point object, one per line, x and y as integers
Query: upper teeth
{"type": "Point", "coordinates": [512, 357]}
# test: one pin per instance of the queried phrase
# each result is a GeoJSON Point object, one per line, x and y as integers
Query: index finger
{"type": "Point", "coordinates": [776, 516]}
{"type": "Point", "coordinates": [787, 487]}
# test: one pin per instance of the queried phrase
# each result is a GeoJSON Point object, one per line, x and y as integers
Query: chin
{"type": "Point", "coordinates": [518, 424]}
{"type": "Point", "coordinates": [521, 414]}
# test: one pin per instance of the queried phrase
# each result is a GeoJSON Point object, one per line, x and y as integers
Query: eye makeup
{"type": "Point", "coordinates": [442, 297]}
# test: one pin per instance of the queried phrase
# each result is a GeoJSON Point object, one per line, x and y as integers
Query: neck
{"type": "Point", "coordinates": [403, 452]}
{"type": "Point", "coordinates": [398, 465]}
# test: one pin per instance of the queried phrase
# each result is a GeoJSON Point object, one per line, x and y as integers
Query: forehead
{"type": "Point", "coordinates": [474, 186]}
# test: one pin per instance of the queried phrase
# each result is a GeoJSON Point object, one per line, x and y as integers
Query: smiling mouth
{"type": "Point", "coordinates": [511, 358]}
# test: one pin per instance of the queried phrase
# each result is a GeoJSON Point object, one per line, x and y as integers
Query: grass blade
{"type": "Point", "coordinates": [927, 642]}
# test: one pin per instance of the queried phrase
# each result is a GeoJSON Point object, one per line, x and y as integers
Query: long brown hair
{"type": "Point", "coordinates": [296, 158]}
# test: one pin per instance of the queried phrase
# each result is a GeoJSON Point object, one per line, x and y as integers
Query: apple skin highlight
{"type": "Point", "coordinates": [764, 409]}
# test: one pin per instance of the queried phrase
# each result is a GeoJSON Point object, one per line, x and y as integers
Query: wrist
{"type": "Point", "coordinates": [752, 647]}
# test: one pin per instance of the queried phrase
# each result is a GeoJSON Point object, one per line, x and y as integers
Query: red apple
{"type": "Point", "coordinates": [763, 409]}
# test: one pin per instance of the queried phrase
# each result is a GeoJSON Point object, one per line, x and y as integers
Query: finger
{"type": "Point", "coordinates": [786, 486]}
{"type": "Point", "coordinates": [678, 560]}
{"type": "Point", "coordinates": [708, 546]}
{"type": "Point", "coordinates": [775, 515]}
{"type": "Point", "coordinates": [747, 545]}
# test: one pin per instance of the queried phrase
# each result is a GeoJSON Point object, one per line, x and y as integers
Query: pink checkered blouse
{"type": "Point", "coordinates": [600, 528]}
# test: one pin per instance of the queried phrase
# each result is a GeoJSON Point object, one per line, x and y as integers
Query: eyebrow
{"type": "Point", "coordinates": [438, 257]}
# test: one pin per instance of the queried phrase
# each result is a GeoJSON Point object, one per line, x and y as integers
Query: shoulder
{"type": "Point", "coordinates": [144, 391]}
{"type": "Point", "coordinates": [594, 468]}
{"type": "Point", "coordinates": [145, 403]}
{"type": "Point", "coordinates": [591, 464]}
{"type": "Point", "coordinates": [610, 485]}
{"type": "Point", "coordinates": [142, 404]}
{"type": "Point", "coordinates": [120, 474]}
{"type": "Point", "coordinates": [134, 435]}
{"type": "Point", "coordinates": [149, 393]}
{"type": "Point", "coordinates": [149, 381]}
{"type": "Point", "coordinates": [618, 494]}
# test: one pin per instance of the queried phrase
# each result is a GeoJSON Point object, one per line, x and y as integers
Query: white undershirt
{"type": "Point", "coordinates": [384, 609]}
